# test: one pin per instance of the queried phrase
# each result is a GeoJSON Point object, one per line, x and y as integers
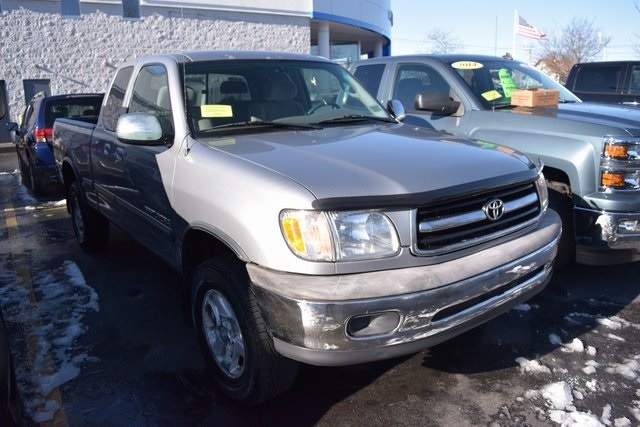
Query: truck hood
{"type": "Point", "coordinates": [379, 160]}
{"type": "Point", "coordinates": [615, 116]}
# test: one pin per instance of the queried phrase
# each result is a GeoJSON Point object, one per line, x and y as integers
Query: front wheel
{"type": "Point", "coordinates": [90, 227]}
{"type": "Point", "coordinates": [233, 337]}
{"type": "Point", "coordinates": [562, 204]}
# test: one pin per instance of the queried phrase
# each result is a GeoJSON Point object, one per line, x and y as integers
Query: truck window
{"type": "Point", "coordinates": [370, 76]}
{"type": "Point", "coordinates": [634, 79]}
{"type": "Point", "coordinates": [412, 79]}
{"type": "Point", "coordinates": [151, 95]}
{"type": "Point", "coordinates": [599, 78]}
{"type": "Point", "coordinates": [322, 86]}
{"type": "Point", "coordinates": [115, 98]}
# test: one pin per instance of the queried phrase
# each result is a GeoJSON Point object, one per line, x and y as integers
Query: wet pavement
{"type": "Point", "coordinates": [106, 345]}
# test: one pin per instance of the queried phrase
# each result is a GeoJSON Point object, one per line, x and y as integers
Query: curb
{"type": "Point", "coordinates": [7, 147]}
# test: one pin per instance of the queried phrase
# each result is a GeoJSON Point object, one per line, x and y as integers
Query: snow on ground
{"type": "Point", "coordinates": [51, 318]}
{"type": "Point", "coordinates": [557, 400]}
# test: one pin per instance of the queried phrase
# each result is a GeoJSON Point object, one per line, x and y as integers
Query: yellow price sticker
{"type": "Point", "coordinates": [466, 65]}
{"type": "Point", "coordinates": [491, 95]}
{"type": "Point", "coordinates": [216, 110]}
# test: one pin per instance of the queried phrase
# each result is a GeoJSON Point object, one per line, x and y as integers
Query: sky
{"type": "Point", "coordinates": [486, 27]}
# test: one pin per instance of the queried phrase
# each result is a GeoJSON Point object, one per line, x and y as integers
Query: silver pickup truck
{"type": "Point", "coordinates": [308, 223]}
{"type": "Point", "coordinates": [590, 151]}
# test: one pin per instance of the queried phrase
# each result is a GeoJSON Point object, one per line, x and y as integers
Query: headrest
{"type": "Point", "coordinates": [233, 86]}
{"type": "Point", "coordinates": [163, 98]}
{"type": "Point", "coordinates": [280, 90]}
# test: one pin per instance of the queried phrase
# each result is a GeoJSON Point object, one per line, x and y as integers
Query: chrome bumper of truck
{"type": "Point", "coordinates": [336, 330]}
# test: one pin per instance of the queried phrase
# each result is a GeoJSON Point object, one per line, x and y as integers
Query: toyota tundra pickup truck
{"type": "Point", "coordinates": [309, 224]}
{"type": "Point", "coordinates": [590, 152]}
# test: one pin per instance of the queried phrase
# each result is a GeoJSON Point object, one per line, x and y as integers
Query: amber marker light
{"type": "Point", "coordinates": [610, 179]}
{"type": "Point", "coordinates": [616, 151]}
{"type": "Point", "coordinates": [291, 228]}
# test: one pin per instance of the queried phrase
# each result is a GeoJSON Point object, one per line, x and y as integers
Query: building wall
{"type": "Point", "coordinates": [374, 15]}
{"type": "Point", "coordinates": [80, 54]}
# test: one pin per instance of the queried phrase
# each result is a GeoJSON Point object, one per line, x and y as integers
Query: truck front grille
{"type": "Point", "coordinates": [470, 221]}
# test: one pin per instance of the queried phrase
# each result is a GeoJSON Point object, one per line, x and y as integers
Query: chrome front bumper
{"type": "Point", "coordinates": [349, 319]}
{"type": "Point", "coordinates": [607, 237]}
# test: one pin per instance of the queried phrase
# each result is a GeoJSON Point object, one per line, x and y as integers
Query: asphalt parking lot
{"type": "Point", "coordinates": [100, 340]}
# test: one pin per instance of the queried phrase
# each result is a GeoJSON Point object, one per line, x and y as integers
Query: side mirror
{"type": "Point", "coordinates": [139, 129]}
{"type": "Point", "coordinates": [437, 103]}
{"type": "Point", "coordinates": [396, 109]}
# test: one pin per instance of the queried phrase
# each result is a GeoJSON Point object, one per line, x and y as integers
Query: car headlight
{"type": "Point", "coordinates": [339, 236]}
{"type": "Point", "coordinates": [543, 192]}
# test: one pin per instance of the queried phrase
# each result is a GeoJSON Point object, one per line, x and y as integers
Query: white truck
{"type": "Point", "coordinates": [308, 223]}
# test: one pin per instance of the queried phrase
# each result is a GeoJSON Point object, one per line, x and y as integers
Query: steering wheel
{"type": "Point", "coordinates": [324, 104]}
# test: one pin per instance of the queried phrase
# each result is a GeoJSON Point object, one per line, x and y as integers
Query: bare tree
{"type": "Point", "coordinates": [442, 41]}
{"type": "Point", "coordinates": [579, 41]}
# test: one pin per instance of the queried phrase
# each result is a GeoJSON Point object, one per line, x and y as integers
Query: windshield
{"type": "Point", "coordinates": [248, 95]}
{"type": "Point", "coordinates": [493, 81]}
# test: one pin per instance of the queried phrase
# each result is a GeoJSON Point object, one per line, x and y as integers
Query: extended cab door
{"type": "Point", "coordinates": [597, 82]}
{"type": "Point", "coordinates": [129, 179]}
{"type": "Point", "coordinates": [632, 93]}
{"type": "Point", "coordinates": [403, 80]}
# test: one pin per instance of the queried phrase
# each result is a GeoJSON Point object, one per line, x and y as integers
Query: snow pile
{"type": "Point", "coordinates": [532, 366]}
{"type": "Point", "coordinates": [629, 369]}
{"type": "Point", "coordinates": [574, 346]}
{"type": "Point", "coordinates": [556, 400]}
{"type": "Point", "coordinates": [51, 315]}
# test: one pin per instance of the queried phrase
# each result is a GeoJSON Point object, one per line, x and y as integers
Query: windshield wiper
{"type": "Point", "coordinates": [503, 106]}
{"type": "Point", "coordinates": [356, 118]}
{"type": "Point", "coordinates": [262, 124]}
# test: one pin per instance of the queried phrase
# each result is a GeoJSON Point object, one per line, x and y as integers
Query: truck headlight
{"type": "Point", "coordinates": [620, 164]}
{"type": "Point", "coordinates": [339, 236]}
{"type": "Point", "coordinates": [543, 192]}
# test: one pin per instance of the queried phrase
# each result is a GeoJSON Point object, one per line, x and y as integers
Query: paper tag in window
{"type": "Point", "coordinates": [491, 95]}
{"type": "Point", "coordinates": [466, 65]}
{"type": "Point", "coordinates": [216, 111]}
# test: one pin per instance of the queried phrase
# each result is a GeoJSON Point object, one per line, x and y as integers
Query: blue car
{"type": "Point", "coordinates": [33, 136]}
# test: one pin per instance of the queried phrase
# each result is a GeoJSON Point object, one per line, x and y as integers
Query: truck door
{"type": "Point", "coordinates": [409, 80]}
{"type": "Point", "coordinates": [131, 172]}
{"type": "Point", "coordinates": [632, 96]}
{"type": "Point", "coordinates": [600, 83]}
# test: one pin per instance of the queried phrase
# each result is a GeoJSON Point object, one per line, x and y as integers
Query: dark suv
{"type": "Point", "coordinates": [612, 82]}
{"type": "Point", "coordinates": [33, 135]}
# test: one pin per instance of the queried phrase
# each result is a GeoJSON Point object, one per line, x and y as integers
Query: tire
{"type": "Point", "coordinates": [90, 227]}
{"type": "Point", "coordinates": [24, 175]}
{"type": "Point", "coordinates": [34, 182]}
{"type": "Point", "coordinates": [16, 413]}
{"type": "Point", "coordinates": [233, 337]}
{"type": "Point", "coordinates": [562, 204]}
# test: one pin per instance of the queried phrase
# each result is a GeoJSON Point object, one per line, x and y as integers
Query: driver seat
{"type": "Point", "coordinates": [278, 101]}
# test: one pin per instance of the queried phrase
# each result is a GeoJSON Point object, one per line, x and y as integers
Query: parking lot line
{"type": "Point", "coordinates": [23, 274]}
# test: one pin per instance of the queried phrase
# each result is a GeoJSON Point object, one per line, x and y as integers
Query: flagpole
{"type": "Point", "coordinates": [495, 40]}
{"type": "Point", "coordinates": [515, 25]}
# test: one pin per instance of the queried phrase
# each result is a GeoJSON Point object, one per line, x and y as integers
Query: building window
{"type": "Point", "coordinates": [131, 9]}
{"type": "Point", "coordinates": [70, 7]}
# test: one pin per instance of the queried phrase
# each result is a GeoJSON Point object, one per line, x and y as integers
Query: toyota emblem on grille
{"type": "Point", "coordinates": [493, 209]}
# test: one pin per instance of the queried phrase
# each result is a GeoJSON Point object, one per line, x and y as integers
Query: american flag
{"type": "Point", "coordinates": [527, 30]}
